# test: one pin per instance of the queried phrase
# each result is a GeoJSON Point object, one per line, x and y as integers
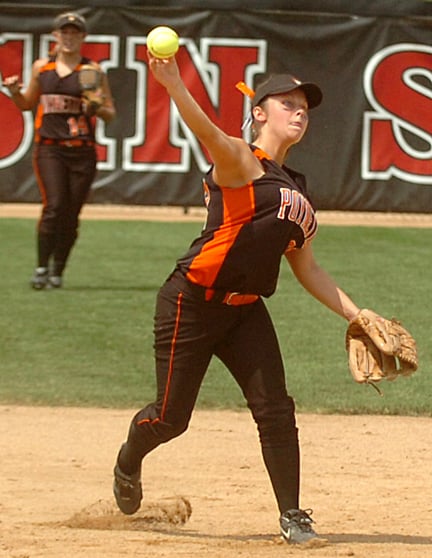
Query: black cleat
{"type": "Point", "coordinates": [127, 491]}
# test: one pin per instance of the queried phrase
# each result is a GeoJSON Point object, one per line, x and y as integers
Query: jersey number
{"type": "Point", "coordinates": [78, 127]}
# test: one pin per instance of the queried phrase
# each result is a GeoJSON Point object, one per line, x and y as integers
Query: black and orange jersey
{"type": "Point", "coordinates": [59, 113]}
{"type": "Point", "coordinates": [248, 230]}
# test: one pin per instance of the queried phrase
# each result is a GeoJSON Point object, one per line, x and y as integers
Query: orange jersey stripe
{"type": "Point", "coordinates": [238, 209]}
{"type": "Point", "coordinates": [38, 120]}
{"type": "Point", "coordinates": [51, 65]}
{"type": "Point", "coordinates": [48, 66]}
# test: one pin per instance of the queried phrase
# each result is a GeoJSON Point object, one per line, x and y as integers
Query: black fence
{"type": "Point", "coordinates": [368, 147]}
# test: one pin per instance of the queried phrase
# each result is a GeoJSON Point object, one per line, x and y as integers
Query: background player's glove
{"type": "Point", "coordinates": [379, 349]}
{"type": "Point", "coordinates": [90, 79]}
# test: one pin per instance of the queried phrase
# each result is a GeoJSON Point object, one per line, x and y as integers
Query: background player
{"type": "Point", "coordinates": [64, 156]}
{"type": "Point", "coordinates": [258, 212]}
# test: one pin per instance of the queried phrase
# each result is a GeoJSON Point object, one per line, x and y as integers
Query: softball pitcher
{"type": "Point", "coordinates": [259, 212]}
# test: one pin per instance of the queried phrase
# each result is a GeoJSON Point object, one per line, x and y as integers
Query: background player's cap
{"type": "Point", "coordinates": [70, 18]}
{"type": "Point", "coordinates": [282, 83]}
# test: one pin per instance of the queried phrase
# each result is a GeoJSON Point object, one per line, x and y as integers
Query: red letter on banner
{"type": "Point", "coordinates": [162, 145]}
{"type": "Point", "coordinates": [401, 128]}
{"type": "Point", "coordinates": [13, 122]}
{"type": "Point", "coordinates": [387, 153]}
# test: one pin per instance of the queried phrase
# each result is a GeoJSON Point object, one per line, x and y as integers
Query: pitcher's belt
{"type": "Point", "coordinates": [212, 295]}
{"type": "Point", "coordinates": [66, 143]}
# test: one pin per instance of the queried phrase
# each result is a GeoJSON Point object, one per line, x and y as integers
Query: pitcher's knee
{"type": "Point", "coordinates": [168, 431]}
{"type": "Point", "coordinates": [277, 424]}
{"type": "Point", "coordinates": [148, 426]}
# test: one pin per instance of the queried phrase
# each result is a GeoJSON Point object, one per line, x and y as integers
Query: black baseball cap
{"type": "Point", "coordinates": [283, 83]}
{"type": "Point", "coordinates": [70, 18]}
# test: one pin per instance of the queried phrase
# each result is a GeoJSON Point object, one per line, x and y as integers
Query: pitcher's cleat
{"type": "Point", "coordinates": [296, 526]}
{"type": "Point", "coordinates": [127, 491]}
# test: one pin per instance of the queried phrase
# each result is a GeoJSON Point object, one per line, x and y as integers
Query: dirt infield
{"type": "Point", "coordinates": [367, 479]}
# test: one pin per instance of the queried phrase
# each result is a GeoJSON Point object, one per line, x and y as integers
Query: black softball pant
{"type": "Point", "coordinates": [64, 176]}
{"type": "Point", "coordinates": [188, 332]}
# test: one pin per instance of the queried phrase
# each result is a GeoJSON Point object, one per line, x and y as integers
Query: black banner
{"type": "Point", "coordinates": [368, 147]}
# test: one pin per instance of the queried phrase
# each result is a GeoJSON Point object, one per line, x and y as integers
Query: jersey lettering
{"type": "Point", "coordinates": [60, 104]}
{"type": "Point", "coordinates": [296, 208]}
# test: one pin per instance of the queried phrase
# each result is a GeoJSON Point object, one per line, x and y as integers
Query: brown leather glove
{"type": "Point", "coordinates": [379, 349]}
{"type": "Point", "coordinates": [90, 78]}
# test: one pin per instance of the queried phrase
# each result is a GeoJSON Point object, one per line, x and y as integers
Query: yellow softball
{"type": "Point", "coordinates": [162, 42]}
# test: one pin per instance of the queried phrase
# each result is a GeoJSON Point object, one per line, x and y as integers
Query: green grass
{"type": "Point", "coordinates": [90, 344]}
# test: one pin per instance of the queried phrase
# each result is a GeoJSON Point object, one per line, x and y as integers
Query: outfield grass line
{"type": "Point", "coordinates": [112, 212]}
{"type": "Point", "coordinates": [177, 213]}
